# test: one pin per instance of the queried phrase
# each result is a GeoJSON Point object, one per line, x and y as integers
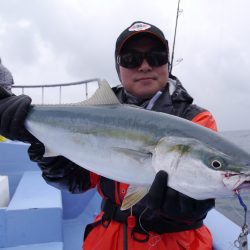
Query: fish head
{"type": "Point", "coordinates": [199, 170]}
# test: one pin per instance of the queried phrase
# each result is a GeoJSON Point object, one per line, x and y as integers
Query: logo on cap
{"type": "Point", "coordinates": [139, 27]}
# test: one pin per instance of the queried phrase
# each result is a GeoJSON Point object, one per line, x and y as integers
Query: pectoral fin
{"type": "Point", "coordinates": [137, 155]}
{"type": "Point", "coordinates": [134, 194]}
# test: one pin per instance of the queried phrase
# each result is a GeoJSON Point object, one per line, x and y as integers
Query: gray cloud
{"type": "Point", "coordinates": [44, 41]}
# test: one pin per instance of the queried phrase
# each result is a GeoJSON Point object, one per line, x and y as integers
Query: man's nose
{"type": "Point", "coordinates": [145, 67]}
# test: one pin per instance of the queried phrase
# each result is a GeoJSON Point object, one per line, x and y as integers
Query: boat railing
{"type": "Point", "coordinates": [59, 93]}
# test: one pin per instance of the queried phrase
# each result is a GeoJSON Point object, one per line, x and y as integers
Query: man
{"type": "Point", "coordinates": [165, 218]}
{"type": "Point", "coordinates": [6, 81]}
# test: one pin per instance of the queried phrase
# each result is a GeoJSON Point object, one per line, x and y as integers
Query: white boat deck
{"type": "Point", "coordinates": [40, 217]}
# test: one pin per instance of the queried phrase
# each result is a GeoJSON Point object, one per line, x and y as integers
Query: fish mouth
{"type": "Point", "coordinates": [244, 185]}
{"type": "Point", "coordinates": [237, 181]}
{"type": "Point", "coordinates": [230, 174]}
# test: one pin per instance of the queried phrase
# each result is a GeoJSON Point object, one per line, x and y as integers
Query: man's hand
{"type": "Point", "coordinates": [13, 111]}
{"type": "Point", "coordinates": [174, 205]}
{"type": "Point", "coordinates": [157, 191]}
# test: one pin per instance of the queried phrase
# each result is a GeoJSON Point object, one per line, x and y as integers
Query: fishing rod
{"type": "Point", "coordinates": [176, 22]}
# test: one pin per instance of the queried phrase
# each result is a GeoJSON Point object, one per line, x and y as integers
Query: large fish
{"type": "Point", "coordinates": [130, 145]}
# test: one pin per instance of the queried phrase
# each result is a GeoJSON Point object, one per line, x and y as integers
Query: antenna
{"type": "Point", "coordinates": [176, 22]}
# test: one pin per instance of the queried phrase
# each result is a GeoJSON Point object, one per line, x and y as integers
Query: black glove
{"type": "Point", "coordinates": [59, 171]}
{"type": "Point", "coordinates": [13, 111]}
{"type": "Point", "coordinates": [174, 205]}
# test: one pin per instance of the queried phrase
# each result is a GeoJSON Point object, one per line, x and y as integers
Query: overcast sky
{"type": "Point", "coordinates": [56, 41]}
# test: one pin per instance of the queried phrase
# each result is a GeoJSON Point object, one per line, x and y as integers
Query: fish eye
{"type": "Point", "coordinates": [216, 164]}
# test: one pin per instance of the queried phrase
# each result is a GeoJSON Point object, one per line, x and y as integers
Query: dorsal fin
{"type": "Point", "coordinates": [104, 95]}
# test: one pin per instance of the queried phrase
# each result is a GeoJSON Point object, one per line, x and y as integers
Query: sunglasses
{"type": "Point", "coordinates": [133, 60]}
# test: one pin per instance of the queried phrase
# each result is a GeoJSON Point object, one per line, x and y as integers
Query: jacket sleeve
{"type": "Point", "coordinates": [206, 119]}
{"type": "Point", "coordinates": [61, 172]}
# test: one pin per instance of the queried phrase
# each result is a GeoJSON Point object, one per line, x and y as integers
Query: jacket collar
{"type": "Point", "coordinates": [177, 91]}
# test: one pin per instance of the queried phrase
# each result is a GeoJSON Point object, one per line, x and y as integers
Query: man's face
{"type": "Point", "coordinates": [145, 80]}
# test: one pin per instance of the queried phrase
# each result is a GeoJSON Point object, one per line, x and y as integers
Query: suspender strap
{"type": "Point", "coordinates": [113, 212]}
{"type": "Point", "coordinates": [125, 237]}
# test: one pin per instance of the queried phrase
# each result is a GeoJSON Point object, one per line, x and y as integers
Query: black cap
{"type": "Point", "coordinates": [135, 29]}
